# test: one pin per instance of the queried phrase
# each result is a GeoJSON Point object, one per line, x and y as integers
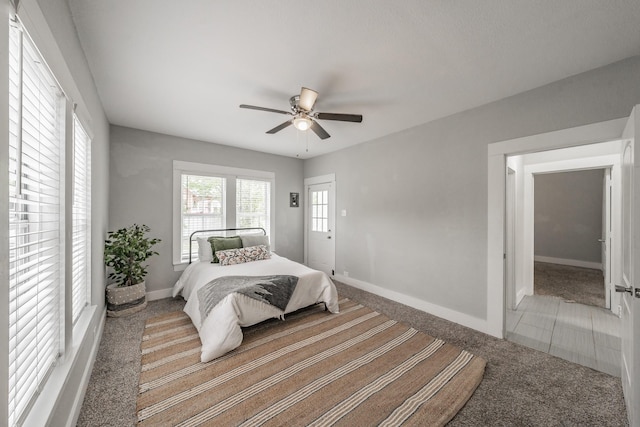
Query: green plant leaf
{"type": "Point", "coordinates": [124, 252]}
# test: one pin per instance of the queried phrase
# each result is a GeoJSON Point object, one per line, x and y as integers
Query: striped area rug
{"type": "Point", "coordinates": [356, 368]}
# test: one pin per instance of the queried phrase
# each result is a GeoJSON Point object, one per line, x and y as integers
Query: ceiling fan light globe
{"type": "Point", "coordinates": [302, 123]}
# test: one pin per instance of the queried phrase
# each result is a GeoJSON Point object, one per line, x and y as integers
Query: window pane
{"type": "Point", "coordinates": [36, 145]}
{"type": "Point", "coordinates": [202, 207]}
{"type": "Point", "coordinates": [253, 203]}
{"type": "Point", "coordinates": [81, 213]}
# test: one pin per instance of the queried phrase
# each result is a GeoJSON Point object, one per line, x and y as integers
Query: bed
{"type": "Point", "coordinates": [219, 303]}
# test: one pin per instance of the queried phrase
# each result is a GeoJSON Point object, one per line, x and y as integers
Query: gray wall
{"type": "Point", "coordinates": [141, 190]}
{"type": "Point", "coordinates": [568, 215]}
{"type": "Point", "coordinates": [417, 199]}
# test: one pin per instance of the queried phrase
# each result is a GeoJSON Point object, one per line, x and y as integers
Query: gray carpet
{"type": "Point", "coordinates": [581, 285]}
{"type": "Point", "coordinates": [521, 387]}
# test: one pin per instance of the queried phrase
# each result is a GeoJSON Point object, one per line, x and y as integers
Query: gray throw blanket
{"type": "Point", "coordinates": [271, 290]}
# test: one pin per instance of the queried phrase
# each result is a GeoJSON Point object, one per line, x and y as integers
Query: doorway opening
{"type": "Point", "coordinates": [571, 219]}
{"type": "Point", "coordinates": [563, 238]}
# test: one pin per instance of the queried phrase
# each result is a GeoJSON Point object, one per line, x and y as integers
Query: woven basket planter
{"type": "Point", "coordinates": [125, 300]}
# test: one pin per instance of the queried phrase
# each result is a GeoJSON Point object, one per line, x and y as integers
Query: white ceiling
{"type": "Point", "coordinates": [183, 67]}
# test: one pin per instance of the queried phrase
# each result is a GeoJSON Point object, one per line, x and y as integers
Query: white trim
{"type": "Point", "coordinates": [176, 252]}
{"type": "Point", "coordinates": [222, 170]}
{"type": "Point", "coordinates": [582, 135]}
{"type": "Point", "coordinates": [520, 296]}
{"type": "Point", "coordinates": [570, 262]}
{"type": "Point", "coordinates": [320, 179]}
{"type": "Point", "coordinates": [180, 267]}
{"type": "Point", "coordinates": [436, 310]}
{"type": "Point", "coordinates": [160, 294]}
{"type": "Point", "coordinates": [495, 244]}
{"type": "Point", "coordinates": [496, 152]}
{"type": "Point", "coordinates": [586, 163]}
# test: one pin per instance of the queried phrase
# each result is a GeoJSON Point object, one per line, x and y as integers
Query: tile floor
{"type": "Point", "coordinates": [582, 334]}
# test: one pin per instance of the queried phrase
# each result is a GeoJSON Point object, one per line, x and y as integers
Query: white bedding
{"type": "Point", "coordinates": [221, 331]}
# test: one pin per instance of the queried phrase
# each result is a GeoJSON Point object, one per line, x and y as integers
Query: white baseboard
{"type": "Point", "coordinates": [436, 310]}
{"type": "Point", "coordinates": [571, 262]}
{"type": "Point", "coordinates": [520, 296]}
{"type": "Point", "coordinates": [160, 294]}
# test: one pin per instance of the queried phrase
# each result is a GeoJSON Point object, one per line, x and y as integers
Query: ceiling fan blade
{"type": "Point", "coordinates": [280, 127]}
{"type": "Point", "coordinates": [356, 118]}
{"type": "Point", "coordinates": [319, 130]}
{"type": "Point", "coordinates": [271, 110]}
{"type": "Point", "coordinates": [307, 99]}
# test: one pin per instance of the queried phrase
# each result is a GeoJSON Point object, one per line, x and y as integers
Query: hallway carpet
{"type": "Point", "coordinates": [576, 284]}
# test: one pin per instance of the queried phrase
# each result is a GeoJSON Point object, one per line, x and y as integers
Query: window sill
{"type": "Point", "coordinates": [180, 267]}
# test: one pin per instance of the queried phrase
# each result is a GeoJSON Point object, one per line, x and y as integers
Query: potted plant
{"type": "Point", "coordinates": [125, 250]}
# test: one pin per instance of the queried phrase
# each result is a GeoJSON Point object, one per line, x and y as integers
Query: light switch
{"type": "Point", "coordinates": [343, 212]}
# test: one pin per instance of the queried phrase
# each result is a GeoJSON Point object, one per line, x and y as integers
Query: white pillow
{"type": "Point", "coordinates": [249, 240]}
{"type": "Point", "coordinates": [205, 254]}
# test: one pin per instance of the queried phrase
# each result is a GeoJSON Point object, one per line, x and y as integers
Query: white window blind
{"type": "Point", "coordinates": [202, 203]}
{"type": "Point", "coordinates": [35, 228]}
{"type": "Point", "coordinates": [81, 220]}
{"type": "Point", "coordinates": [253, 200]}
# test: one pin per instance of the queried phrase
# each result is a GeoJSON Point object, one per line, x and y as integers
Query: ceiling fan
{"type": "Point", "coordinates": [303, 116]}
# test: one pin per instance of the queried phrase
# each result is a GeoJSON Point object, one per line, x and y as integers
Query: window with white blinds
{"type": "Point", "coordinates": [81, 220]}
{"type": "Point", "coordinates": [36, 145]}
{"type": "Point", "coordinates": [210, 197]}
{"type": "Point", "coordinates": [253, 203]}
{"type": "Point", "coordinates": [202, 203]}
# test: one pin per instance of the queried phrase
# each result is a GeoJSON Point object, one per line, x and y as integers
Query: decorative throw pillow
{"type": "Point", "coordinates": [205, 253]}
{"type": "Point", "coordinates": [224, 243]}
{"type": "Point", "coordinates": [242, 255]}
{"type": "Point", "coordinates": [255, 240]}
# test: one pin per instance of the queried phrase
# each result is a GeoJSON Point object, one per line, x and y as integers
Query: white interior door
{"type": "Point", "coordinates": [630, 271]}
{"type": "Point", "coordinates": [320, 225]}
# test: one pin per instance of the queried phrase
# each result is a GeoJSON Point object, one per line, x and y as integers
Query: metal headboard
{"type": "Point", "coordinates": [219, 230]}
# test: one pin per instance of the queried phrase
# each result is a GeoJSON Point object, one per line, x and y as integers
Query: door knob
{"type": "Point", "coordinates": [624, 289]}
{"type": "Point", "coordinates": [601, 240]}
{"type": "Point", "coordinates": [328, 237]}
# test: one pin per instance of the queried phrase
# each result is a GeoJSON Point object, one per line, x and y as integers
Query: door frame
{"type": "Point", "coordinates": [496, 167]}
{"type": "Point", "coordinates": [608, 162]}
{"type": "Point", "coordinates": [308, 182]}
{"type": "Point", "coordinates": [607, 237]}
{"type": "Point", "coordinates": [510, 239]}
